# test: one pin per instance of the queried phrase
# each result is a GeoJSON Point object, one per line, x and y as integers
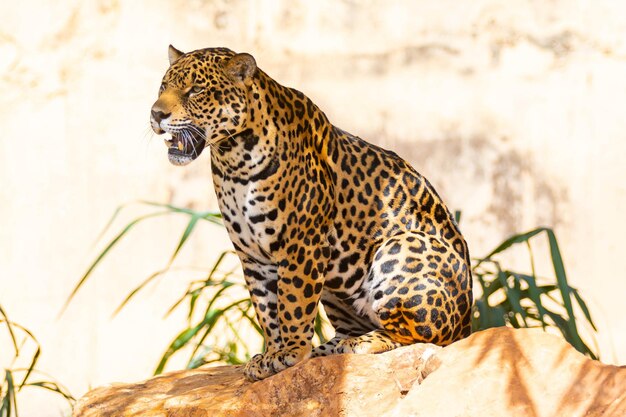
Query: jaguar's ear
{"type": "Point", "coordinates": [241, 67]}
{"type": "Point", "coordinates": [173, 54]}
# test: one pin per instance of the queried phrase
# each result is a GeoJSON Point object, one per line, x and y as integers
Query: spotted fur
{"type": "Point", "coordinates": [316, 214]}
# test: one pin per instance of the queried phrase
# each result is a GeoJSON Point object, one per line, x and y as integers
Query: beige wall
{"type": "Point", "coordinates": [514, 110]}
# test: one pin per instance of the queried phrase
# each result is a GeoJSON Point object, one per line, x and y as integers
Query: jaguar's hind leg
{"type": "Point", "coordinates": [344, 320]}
{"type": "Point", "coordinates": [327, 348]}
{"type": "Point", "coordinates": [419, 288]}
{"type": "Point", "coordinates": [376, 341]}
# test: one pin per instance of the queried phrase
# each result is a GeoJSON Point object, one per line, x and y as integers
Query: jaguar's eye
{"type": "Point", "coordinates": [196, 89]}
{"type": "Point", "coordinates": [162, 88]}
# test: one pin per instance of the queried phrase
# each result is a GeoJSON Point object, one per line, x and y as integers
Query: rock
{"type": "Point", "coordinates": [497, 372]}
{"type": "Point", "coordinates": [524, 372]}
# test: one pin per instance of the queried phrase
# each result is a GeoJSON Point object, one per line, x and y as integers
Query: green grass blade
{"type": "Point", "coordinates": [54, 387]}
{"type": "Point", "coordinates": [201, 359]}
{"type": "Point", "coordinates": [35, 357]}
{"type": "Point", "coordinates": [217, 263]}
{"type": "Point", "coordinates": [5, 408]}
{"type": "Point", "coordinates": [193, 292]}
{"type": "Point", "coordinates": [50, 383]}
{"type": "Point", "coordinates": [5, 405]}
{"type": "Point", "coordinates": [189, 292]}
{"type": "Point", "coordinates": [252, 321]}
{"type": "Point", "coordinates": [583, 307]}
{"type": "Point", "coordinates": [489, 316]}
{"type": "Point", "coordinates": [11, 392]}
{"type": "Point", "coordinates": [319, 328]}
{"type": "Point", "coordinates": [192, 303]}
{"type": "Point", "coordinates": [563, 325]}
{"type": "Point", "coordinates": [225, 285]}
{"type": "Point", "coordinates": [180, 341]}
{"type": "Point", "coordinates": [116, 213]}
{"type": "Point", "coordinates": [481, 306]}
{"type": "Point", "coordinates": [561, 278]}
{"type": "Point", "coordinates": [519, 238]}
{"type": "Point", "coordinates": [31, 367]}
{"type": "Point", "coordinates": [514, 295]}
{"type": "Point", "coordinates": [491, 286]}
{"type": "Point", "coordinates": [534, 294]}
{"type": "Point", "coordinates": [496, 316]}
{"type": "Point", "coordinates": [233, 345]}
{"type": "Point", "coordinates": [138, 288]}
{"type": "Point", "coordinates": [184, 337]}
{"type": "Point", "coordinates": [211, 318]}
{"type": "Point", "coordinates": [190, 226]}
{"type": "Point", "coordinates": [102, 254]}
{"type": "Point", "coordinates": [194, 295]}
{"type": "Point", "coordinates": [532, 284]}
{"type": "Point", "coordinates": [11, 332]}
{"type": "Point", "coordinates": [206, 333]}
{"type": "Point", "coordinates": [212, 216]}
{"type": "Point", "coordinates": [512, 318]}
{"type": "Point", "coordinates": [170, 208]}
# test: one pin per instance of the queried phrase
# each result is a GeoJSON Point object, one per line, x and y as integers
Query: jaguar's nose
{"type": "Point", "coordinates": [158, 115]}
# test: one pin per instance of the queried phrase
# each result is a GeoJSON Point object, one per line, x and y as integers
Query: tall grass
{"type": "Point", "coordinates": [21, 372]}
{"type": "Point", "coordinates": [219, 310]}
{"type": "Point", "coordinates": [521, 299]}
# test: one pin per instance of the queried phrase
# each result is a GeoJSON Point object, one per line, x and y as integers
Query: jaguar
{"type": "Point", "coordinates": [316, 215]}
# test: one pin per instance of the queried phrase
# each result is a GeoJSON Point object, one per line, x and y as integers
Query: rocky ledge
{"type": "Point", "coordinates": [497, 372]}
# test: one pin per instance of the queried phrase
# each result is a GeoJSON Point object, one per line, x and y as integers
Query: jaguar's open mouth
{"type": "Point", "coordinates": [184, 146]}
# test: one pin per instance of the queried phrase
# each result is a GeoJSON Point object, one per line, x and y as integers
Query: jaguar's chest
{"type": "Point", "coordinates": [250, 217]}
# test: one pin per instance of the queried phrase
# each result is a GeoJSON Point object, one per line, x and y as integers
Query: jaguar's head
{"type": "Point", "coordinates": [202, 100]}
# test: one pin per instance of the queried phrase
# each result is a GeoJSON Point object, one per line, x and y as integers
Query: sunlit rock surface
{"type": "Point", "coordinates": [498, 372]}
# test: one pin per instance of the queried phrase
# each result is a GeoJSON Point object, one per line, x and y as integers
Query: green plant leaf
{"type": "Point", "coordinates": [561, 279]}
{"type": "Point", "coordinates": [519, 238]}
{"type": "Point", "coordinates": [190, 226]}
{"type": "Point", "coordinates": [106, 250]}
{"type": "Point", "coordinates": [10, 399]}
{"type": "Point", "coordinates": [583, 307]}
{"type": "Point", "coordinates": [251, 320]}
{"type": "Point", "coordinates": [176, 344]}
{"type": "Point", "coordinates": [138, 288]}
{"type": "Point", "coordinates": [513, 295]}
{"type": "Point", "coordinates": [533, 293]}
{"type": "Point", "coordinates": [31, 367]}
{"type": "Point", "coordinates": [116, 213]}
{"type": "Point", "coordinates": [11, 332]}
{"type": "Point", "coordinates": [217, 263]}
{"type": "Point", "coordinates": [319, 328]}
{"type": "Point", "coordinates": [489, 286]}
{"type": "Point", "coordinates": [489, 316]}
{"type": "Point", "coordinates": [54, 387]}
{"type": "Point", "coordinates": [184, 337]}
{"type": "Point", "coordinates": [211, 317]}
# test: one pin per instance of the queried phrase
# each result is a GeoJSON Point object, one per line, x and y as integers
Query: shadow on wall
{"type": "Point", "coordinates": [508, 191]}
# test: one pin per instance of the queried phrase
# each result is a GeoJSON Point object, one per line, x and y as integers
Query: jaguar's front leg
{"type": "Point", "coordinates": [300, 282]}
{"type": "Point", "coordinates": [262, 283]}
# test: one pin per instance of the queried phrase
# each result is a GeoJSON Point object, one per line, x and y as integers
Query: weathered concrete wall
{"type": "Point", "coordinates": [514, 111]}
